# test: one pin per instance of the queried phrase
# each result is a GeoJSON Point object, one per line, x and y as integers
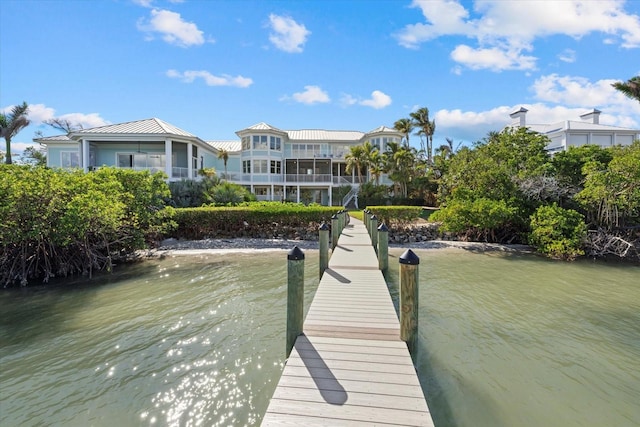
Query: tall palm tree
{"type": "Point", "coordinates": [404, 126]}
{"type": "Point", "coordinates": [356, 159]}
{"type": "Point", "coordinates": [400, 163]}
{"type": "Point", "coordinates": [426, 128]}
{"type": "Point", "coordinates": [224, 155]}
{"type": "Point", "coordinates": [11, 124]}
{"type": "Point", "coordinates": [630, 89]}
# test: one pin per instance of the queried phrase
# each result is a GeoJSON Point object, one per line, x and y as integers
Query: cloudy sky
{"type": "Point", "coordinates": [215, 67]}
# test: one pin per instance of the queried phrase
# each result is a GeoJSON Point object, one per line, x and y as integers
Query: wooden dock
{"type": "Point", "coordinates": [350, 366]}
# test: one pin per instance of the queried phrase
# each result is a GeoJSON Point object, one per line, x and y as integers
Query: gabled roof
{"type": "Point", "coordinates": [575, 126]}
{"type": "Point", "coordinates": [55, 138]}
{"type": "Point", "coordinates": [324, 135]}
{"type": "Point", "coordinates": [263, 126]}
{"type": "Point", "coordinates": [230, 146]}
{"type": "Point", "coordinates": [383, 129]}
{"type": "Point", "coordinates": [151, 126]}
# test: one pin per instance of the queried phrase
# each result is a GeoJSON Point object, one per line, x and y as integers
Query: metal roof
{"type": "Point", "coordinates": [324, 135]}
{"type": "Point", "coordinates": [55, 138]}
{"type": "Point", "coordinates": [230, 146]}
{"type": "Point", "coordinates": [148, 127]}
{"type": "Point", "coordinates": [381, 129]}
{"type": "Point", "coordinates": [263, 126]}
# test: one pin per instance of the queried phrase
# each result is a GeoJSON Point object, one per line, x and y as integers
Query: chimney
{"type": "Point", "coordinates": [521, 114]}
{"type": "Point", "coordinates": [593, 116]}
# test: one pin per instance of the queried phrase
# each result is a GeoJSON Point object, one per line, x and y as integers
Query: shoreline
{"type": "Point", "coordinates": [174, 247]}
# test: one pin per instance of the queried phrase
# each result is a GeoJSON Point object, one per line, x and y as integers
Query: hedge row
{"type": "Point", "coordinates": [250, 220]}
{"type": "Point", "coordinates": [392, 215]}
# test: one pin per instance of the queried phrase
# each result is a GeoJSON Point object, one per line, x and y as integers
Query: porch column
{"type": "Point", "coordinates": [85, 155]}
{"type": "Point", "coordinates": [330, 194]}
{"type": "Point", "coordinates": [190, 160]}
{"type": "Point", "coordinates": [298, 194]}
{"type": "Point", "coordinates": [168, 167]}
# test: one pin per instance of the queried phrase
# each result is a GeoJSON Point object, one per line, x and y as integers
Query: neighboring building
{"type": "Point", "coordinates": [296, 165]}
{"type": "Point", "coordinates": [570, 133]}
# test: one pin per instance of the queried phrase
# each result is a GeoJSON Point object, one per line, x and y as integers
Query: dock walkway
{"type": "Point", "coordinates": [350, 366]}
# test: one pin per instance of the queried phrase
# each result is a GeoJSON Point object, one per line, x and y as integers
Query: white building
{"type": "Point", "coordinates": [297, 165]}
{"type": "Point", "coordinates": [573, 133]}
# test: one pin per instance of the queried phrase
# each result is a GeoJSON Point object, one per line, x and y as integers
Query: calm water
{"type": "Point", "coordinates": [505, 341]}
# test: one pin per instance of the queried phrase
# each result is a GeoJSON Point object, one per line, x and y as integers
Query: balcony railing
{"type": "Point", "coordinates": [309, 178]}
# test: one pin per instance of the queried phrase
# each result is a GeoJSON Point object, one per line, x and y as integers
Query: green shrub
{"type": "Point", "coordinates": [557, 232]}
{"type": "Point", "coordinates": [190, 193]}
{"type": "Point", "coordinates": [391, 215]}
{"type": "Point", "coordinates": [481, 219]}
{"type": "Point", "coordinates": [228, 194]}
{"type": "Point", "coordinates": [248, 219]}
{"type": "Point", "coordinates": [56, 223]}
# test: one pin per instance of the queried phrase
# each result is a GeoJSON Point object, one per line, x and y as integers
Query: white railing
{"type": "Point", "coordinates": [308, 178]}
{"type": "Point", "coordinates": [350, 195]}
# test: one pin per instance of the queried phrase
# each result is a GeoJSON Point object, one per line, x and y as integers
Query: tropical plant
{"type": "Point", "coordinates": [630, 88]}
{"type": "Point", "coordinates": [426, 128]}
{"type": "Point", "coordinates": [558, 232]}
{"type": "Point", "coordinates": [400, 164]}
{"type": "Point", "coordinates": [11, 124]}
{"type": "Point", "coordinates": [356, 159]}
{"type": "Point", "coordinates": [224, 155]}
{"type": "Point", "coordinates": [33, 156]}
{"type": "Point", "coordinates": [405, 126]}
{"type": "Point", "coordinates": [229, 194]}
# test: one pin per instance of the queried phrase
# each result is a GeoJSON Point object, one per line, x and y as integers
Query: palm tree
{"type": "Point", "coordinates": [404, 126]}
{"type": "Point", "coordinates": [400, 163]}
{"type": "Point", "coordinates": [224, 155]}
{"type": "Point", "coordinates": [630, 89]}
{"type": "Point", "coordinates": [375, 163]}
{"type": "Point", "coordinates": [427, 128]}
{"type": "Point", "coordinates": [356, 158]}
{"type": "Point", "coordinates": [11, 124]}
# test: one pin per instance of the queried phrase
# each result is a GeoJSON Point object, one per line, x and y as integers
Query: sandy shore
{"type": "Point", "coordinates": [173, 247]}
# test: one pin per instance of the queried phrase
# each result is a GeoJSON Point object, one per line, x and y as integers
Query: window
{"type": "Point", "coordinates": [246, 166]}
{"type": "Point", "coordinates": [246, 143]}
{"type": "Point", "coordinates": [69, 159]}
{"type": "Point", "coordinates": [260, 166]}
{"type": "Point", "coordinates": [275, 143]}
{"type": "Point", "coordinates": [260, 142]}
{"type": "Point", "coordinates": [276, 167]}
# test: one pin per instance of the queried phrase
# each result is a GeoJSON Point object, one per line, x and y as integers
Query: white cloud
{"type": "Point", "coordinates": [39, 113]}
{"type": "Point", "coordinates": [347, 100]}
{"type": "Point", "coordinates": [87, 121]}
{"type": "Point", "coordinates": [287, 34]}
{"type": "Point", "coordinates": [495, 59]}
{"type": "Point", "coordinates": [559, 98]}
{"type": "Point", "coordinates": [311, 95]}
{"type": "Point", "coordinates": [504, 29]}
{"type": "Point", "coordinates": [378, 100]}
{"type": "Point", "coordinates": [143, 3]}
{"type": "Point", "coordinates": [210, 80]}
{"type": "Point", "coordinates": [567, 55]}
{"type": "Point", "coordinates": [173, 28]}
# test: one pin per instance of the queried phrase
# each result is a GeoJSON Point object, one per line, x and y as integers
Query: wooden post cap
{"type": "Point", "coordinates": [383, 227]}
{"type": "Point", "coordinates": [295, 254]}
{"type": "Point", "coordinates": [409, 258]}
{"type": "Point", "coordinates": [323, 227]}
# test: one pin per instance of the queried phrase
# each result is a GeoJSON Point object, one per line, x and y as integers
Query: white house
{"type": "Point", "coordinates": [572, 133]}
{"type": "Point", "coordinates": [296, 165]}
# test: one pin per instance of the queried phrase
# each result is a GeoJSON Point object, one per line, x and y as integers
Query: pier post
{"type": "Point", "coordinates": [365, 216]}
{"type": "Point", "coordinates": [323, 238]}
{"type": "Point", "coordinates": [335, 231]}
{"type": "Point", "coordinates": [295, 296]}
{"type": "Point", "coordinates": [383, 247]}
{"type": "Point", "coordinates": [347, 217]}
{"type": "Point", "coordinates": [409, 262]}
{"type": "Point", "coordinates": [340, 221]}
{"type": "Point", "coordinates": [374, 231]}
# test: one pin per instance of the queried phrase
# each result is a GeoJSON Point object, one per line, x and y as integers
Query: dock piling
{"type": "Point", "coordinates": [323, 238]}
{"type": "Point", "coordinates": [374, 232]}
{"type": "Point", "coordinates": [295, 296]}
{"type": "Point", "coordinates": [383, 247]}
{"type": "Point", "coordinates": [335, 231]}
{"type": "Point", "coordinates": [409, 262]}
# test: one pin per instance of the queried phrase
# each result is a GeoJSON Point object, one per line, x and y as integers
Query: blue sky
{"type": "Point", "coordinates": [215, 67]}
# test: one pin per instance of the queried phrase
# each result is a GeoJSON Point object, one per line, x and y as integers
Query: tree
{"type": "Point", "coordinates": [11, 124]}
{"type": "Point", "coordinates": [400, 164]}
{"type": "Point", "coordinates": [224, 155]}
{"type": "Point", "coordinates": [426, 129]}
{"type": "Point", "coordinates": [64, 125]}
{"type": "Point", "coordinates": [404, 126]}
{"type": "Point", "coordinates": [630, 88]}
{"type": "Point", "coordinates": [34, 156]}
{"type": "Point", "coordinates": [356, 159]}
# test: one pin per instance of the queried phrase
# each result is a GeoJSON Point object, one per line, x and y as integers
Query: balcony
{"type": "Point", "coordinates": [309, 178]}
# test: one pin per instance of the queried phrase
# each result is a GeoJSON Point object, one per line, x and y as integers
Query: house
{"type": "Point", "coordinates": [305, 165]}
{"type": "Point", "coordinates": [570, 133]}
